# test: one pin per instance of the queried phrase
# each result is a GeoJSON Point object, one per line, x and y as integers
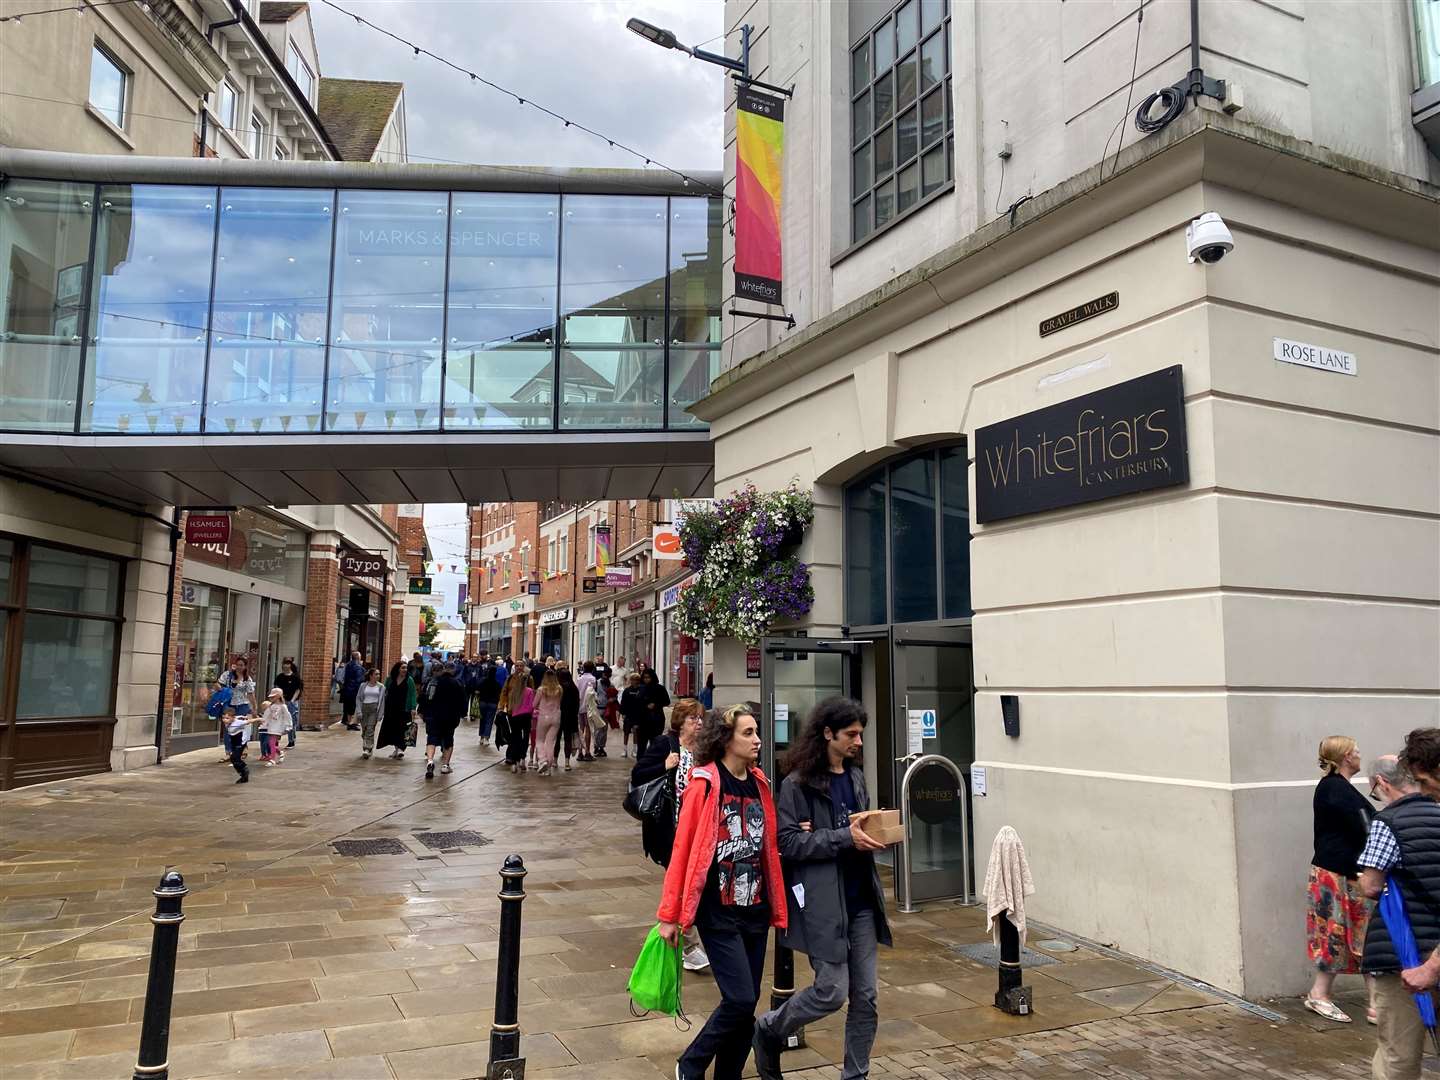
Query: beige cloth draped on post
{"type": "Point", "coordinates": [1007, 883]}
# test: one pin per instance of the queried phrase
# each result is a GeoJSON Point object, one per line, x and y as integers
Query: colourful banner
{"type": "Point", "coordinates": [759, 172]}
{"type": "Point", "coordinates": [602, 549]}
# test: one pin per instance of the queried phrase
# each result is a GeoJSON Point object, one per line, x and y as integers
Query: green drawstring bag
{"type": "Point", "coordinates": [655, 978]}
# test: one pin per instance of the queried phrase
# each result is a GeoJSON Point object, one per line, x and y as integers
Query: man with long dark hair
{"type": "Point", "coordinates": [837, 907]}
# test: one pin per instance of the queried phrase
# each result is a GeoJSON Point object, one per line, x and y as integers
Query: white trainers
{"type": "Point", "coordinates": [695, 958]}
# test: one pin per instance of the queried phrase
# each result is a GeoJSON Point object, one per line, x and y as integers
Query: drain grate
{"type": "Point", "coordinates": [989, 955]}
{"type": "Point", "coordinates": [384, 845]}
{"type": "Point", "coordinates": [460, 838]}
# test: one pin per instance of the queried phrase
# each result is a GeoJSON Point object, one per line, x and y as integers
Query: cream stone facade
{"type": "Point", "coordinates": [1177, 655]}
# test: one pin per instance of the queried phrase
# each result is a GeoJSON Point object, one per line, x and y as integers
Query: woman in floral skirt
{"type": "Point", "coordinates": [1338, 912]}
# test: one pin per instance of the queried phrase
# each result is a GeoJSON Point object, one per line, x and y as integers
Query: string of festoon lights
{"type": "Point", "coordinates": [78, 9]}
{"type": "Point", "coordinates": [476, 77]}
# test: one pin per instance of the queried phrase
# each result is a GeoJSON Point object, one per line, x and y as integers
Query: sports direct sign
{"type": "Point", "coordinates": [665, 542]}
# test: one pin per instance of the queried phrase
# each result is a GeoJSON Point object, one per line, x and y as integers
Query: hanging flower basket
{"type": "Point", "coordinates": [749, 576]}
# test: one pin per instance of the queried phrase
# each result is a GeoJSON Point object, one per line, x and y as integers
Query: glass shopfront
{"type": "Point", "coordinates": [60, 621]}
{"type": "Point", "coordinates": [494, 637]}
{"type": "Point", "coordinates": [637, 640]}
{"type": "Point", "coordinates": [555, 634]}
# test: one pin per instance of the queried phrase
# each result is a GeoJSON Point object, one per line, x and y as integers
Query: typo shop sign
{"type": "Point", "coordinates": [355, 564]}
{"type": "Point", "coordinates": [1121, 440]}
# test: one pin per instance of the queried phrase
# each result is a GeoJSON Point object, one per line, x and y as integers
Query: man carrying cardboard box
{"type": "Point", "coordinates": [836, 904]}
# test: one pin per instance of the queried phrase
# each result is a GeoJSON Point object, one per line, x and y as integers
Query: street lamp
{"type": "Point", "coordinates": [666, 39]}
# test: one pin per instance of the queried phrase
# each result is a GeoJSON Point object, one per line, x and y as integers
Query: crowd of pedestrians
{"type": "Point", "coordinates": [1374, 885]}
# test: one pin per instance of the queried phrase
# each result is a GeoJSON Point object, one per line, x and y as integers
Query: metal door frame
{"type": "Point", "coordinates": [941, 636]}
{"type": "Point", "coordinates": [771, 645]}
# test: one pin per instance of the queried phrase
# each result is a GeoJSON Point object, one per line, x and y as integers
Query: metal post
{"type": "Point", "coordinates": [154, 1060]}
{"type": "Point", "coordinates": [1011, 997]}
{"type": "Point", "coordinates": [783, 988]}
{"type": "Point", "coordinates": [505, 1059]}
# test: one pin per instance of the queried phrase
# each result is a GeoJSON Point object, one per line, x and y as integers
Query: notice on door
{"type": "Point", "coordinates": [917, 728]}
{"type": "Point", "coordinates": [977, 781]}
{"type": "Point", "coordinates": [782, 722]}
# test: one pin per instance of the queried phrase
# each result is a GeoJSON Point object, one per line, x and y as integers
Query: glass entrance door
{"type": "Point", "coordinates": [934, 694]}
{"type": "Point", "coordinates": [795, 673]}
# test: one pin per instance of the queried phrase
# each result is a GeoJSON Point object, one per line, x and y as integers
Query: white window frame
{"type": "Point", "coordinates": [281, 154]}
{"type": "Point", "coordinates": [227, 117]}
{"type": "Point", "coordinates": [99, 51]}
{"type": "Point", "coordinates": [306, 84]}
{"type": "Point", "coordinates": [255, 137]}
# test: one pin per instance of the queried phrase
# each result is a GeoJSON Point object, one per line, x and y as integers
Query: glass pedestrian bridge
{"type": "Point", "coordinates": [203, 317]}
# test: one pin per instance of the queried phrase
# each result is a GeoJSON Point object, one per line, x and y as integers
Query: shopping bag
{"type": "Point", "coordinates": [412, 732]}
{"type": "Point", "coordinates": [502, 727]}
{"type": "Point", "coordinates": [655, 978]}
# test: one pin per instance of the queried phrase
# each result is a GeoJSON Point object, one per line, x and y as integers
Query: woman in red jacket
{"type": "Point", "coordinates": [724, 879]}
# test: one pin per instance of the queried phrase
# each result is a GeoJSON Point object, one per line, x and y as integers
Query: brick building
{"type": "Point", "coordinates": [556, 545]}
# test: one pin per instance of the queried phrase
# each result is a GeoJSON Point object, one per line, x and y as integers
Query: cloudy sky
{"type": "Point", "coordinates": [575, 57]}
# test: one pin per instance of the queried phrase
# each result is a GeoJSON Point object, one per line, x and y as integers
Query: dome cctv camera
{"type": "Point", "coordinates": [1208, 239]}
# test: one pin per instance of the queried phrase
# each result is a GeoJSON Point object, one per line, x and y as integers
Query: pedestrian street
{"type": "Point", "coordinates": [298, 961]}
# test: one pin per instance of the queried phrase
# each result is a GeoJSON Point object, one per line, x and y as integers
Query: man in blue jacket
{"type": "Point", "coordinates": [350, 680]}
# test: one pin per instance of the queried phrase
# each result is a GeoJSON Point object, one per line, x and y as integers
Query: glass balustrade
{"type": "Point", "coordinates": [179, 309]}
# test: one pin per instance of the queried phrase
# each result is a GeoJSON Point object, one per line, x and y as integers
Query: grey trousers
{"type": "Point", "coordinates": [369, 717]}
{"type": "Point", "coordinates": [833, 984]}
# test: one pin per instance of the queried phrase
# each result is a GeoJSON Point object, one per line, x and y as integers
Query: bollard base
{"type": "Point", "coordinates": [509, 1069]}
{"type": "Point", "coordinates": [1017, 1001]}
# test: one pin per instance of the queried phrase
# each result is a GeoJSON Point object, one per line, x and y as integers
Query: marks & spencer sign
{"type": "Point", "coordinates": [1121, 440]}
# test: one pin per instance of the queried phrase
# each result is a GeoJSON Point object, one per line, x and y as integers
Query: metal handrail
{"type": "Point", "coordinates": [903, 884]}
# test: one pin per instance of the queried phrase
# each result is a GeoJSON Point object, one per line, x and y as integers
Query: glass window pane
{"type": "Point", "coordinates": [860, 65]}
{"type": "Point", "coordinates": [612, 288]}
{"type": "Point", "coordinates": [865, 552]}
{"type": "Point", "coordinates": [67, 667]}
{"type": "Point", "coordinates": [931, 12]}
{"type": "Point", "coordinates": [267, 326]}
{"type": "Point", "coordinates": [884, 145]}
{"type": "Point", "coordinates": [150, 313]}
{"type": "Point", "coordinates": [884, 98]}
{"type": "Point", "coordinates": [933, 171]}
{"type": "Point", "coordinates": [7, 559]}
{"type": "Point", "coordinates": [860, 170]}
{"type": "Point", "coordinates": [691, 373]}
{"type": "Point", "coordinates": [932, 61]}
{"type": "Point", "coordinates": [905, 81]}
{"type": "Point", "coordinates": [860, 118]}
{"type": "Point", "coordinates": [4, 619]}
{"type": "Point", "coordinates": [44, 246]}
{"type": "Point", "coordinates": [884, 203]}
{"type": "Point", "coordinates": [932, 117]}
{"type": "Point", "coordinates": [388, 311]}
{"type": "Point", "coordinates": [955, 527]}
{"type": "Point", "coordinates": [906, 136]}
{"type": "Point", "coordinates": [949, 158]}
{"type": "Point", "coordinates": [912, 534]}
{"type": "Point", "coordinates": [696, 269]}
{"type": "Point", "coordinates": [503, 252]}
{"type": "Point", "coordinates": [860, 219]}
{"type": "Point", "coordinates": [885, 46]}
{"type": "Point", "coordinates": [501, 388]}
{"type": "Point", "coordinates": [907, 29]}
{"type": "Point", "coordinates": [69, 581]}
{"type": "Point", "coordinates": [107, 86]}
{"type": "Point", "coordinates": [612, 388]}
{"type": "Point", "coordinates": [908, 192]}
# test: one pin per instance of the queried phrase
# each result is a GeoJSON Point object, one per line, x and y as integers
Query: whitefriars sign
{"type": "Point", "coordinates": [1316, 356]}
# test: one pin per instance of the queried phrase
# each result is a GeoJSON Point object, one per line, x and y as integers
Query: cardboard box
{"type": "Point", "coordinates": [882, 826]}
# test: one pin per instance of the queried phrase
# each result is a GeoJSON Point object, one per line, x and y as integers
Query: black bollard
{"type": "Point", "coordinates": [782, 989]}
{"type": "Point", "coordinates": [505, 1060]}
{"type": "Point", "coordinates": [1011, 997]}
{"type": "Point", "coordinates": [154, 1060]}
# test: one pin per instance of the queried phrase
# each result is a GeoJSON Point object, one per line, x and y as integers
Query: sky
{"type": "Point", "coordinates": [573, 56]}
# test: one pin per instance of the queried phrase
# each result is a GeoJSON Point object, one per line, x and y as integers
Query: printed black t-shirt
{"type": "Point", "coordinates": [855, 866]}
{"type": "Point", "coordinates": [734, 895]}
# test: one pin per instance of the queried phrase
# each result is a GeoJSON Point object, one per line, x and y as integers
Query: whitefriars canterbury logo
{"type": "Point", "coordinates": [1126, 438]}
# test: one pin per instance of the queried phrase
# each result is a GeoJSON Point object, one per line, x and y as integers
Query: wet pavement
{"type": "Point", "coordinates": [298, 961]}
